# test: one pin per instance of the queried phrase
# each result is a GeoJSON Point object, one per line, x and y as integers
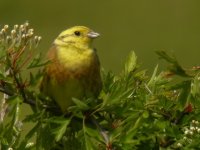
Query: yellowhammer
{"type": "Point", "coordinates": [74, 70]}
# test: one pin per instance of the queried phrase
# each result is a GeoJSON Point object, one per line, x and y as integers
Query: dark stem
{"type": "Point", "coordinates": [2, 90]}
{"type": "Point", "coordinates": [103, 134]}
{"type": "Point", "coordinates": [19, 86]}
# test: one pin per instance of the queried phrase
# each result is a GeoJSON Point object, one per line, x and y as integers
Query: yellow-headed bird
{"type": "Point", "coordinates": [74, 70]}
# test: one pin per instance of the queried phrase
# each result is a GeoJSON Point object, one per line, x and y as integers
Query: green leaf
{"type": "Point", "coordinates": [153, 77]}
{"type": "Point", "coordinates": [80, 104]}
{"type": "Point", "coordinates": [93, 133]}
{"type": "Point", "coordinates": [45, 139]}
{"type": "Point", "coordinates": [35, 78]}
{"type": "Point", "coordinates": [130, 63]}
{"type": "Point", "coordinates": [108, 79]}
{"type": "Point", "coordinates": [61, 124]}
{"type": "Point", "coordinates": [28, 137]}
{"type": "Point", "coordinates": [133, 130]}
{"type": "Point", "coordinates": [36, 62]}
{"type": "Point", "coordinates": [145, 114]}
{"type": "Point", "coordinates": [2, 52]}
{"type": "Point", "coordinates": [91, 137]}
{"type": "Point", "coordinates": [60, 131]}
{"type": "Point", "coordinates": [185, 92]}
{"type": "Point", "coordinates": [175, 68]}
{"type": "Point", "coordinates": [166, 57]}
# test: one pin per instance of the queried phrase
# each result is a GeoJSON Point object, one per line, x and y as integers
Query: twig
{"type": "Point", "coordinates": [32, 102]}
{"type": "Point", "coordinates": [17, 56]}
{"type": "Point", "coordinates": [2, 90]}
{"type": "Point", "coordinates": [25, 61]}
{"type": "Point", "coordinates": [21, 89]}
{"type": "Point", "coordinates": [148, 89]}
{"type": "Point", "coordinates": [3, 108]}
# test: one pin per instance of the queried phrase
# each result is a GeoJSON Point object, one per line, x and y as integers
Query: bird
{"type": "Point", "coordinates": [74, 68]}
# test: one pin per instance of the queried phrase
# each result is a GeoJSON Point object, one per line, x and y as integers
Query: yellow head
{"type": "Point", "coordinates": [77, 35]}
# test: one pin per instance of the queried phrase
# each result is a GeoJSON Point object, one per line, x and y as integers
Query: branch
{"type": "Point", "coordinates": [2, 90]}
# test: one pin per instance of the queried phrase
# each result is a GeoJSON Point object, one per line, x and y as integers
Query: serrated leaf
{"type": "Point", "coordinates": [60, 130]}
{"type": "Point", "coordinates": [165, 56]}
{"type": "Point", "coordinates": [108, 79]}
{"type": "Point", "coordinates": [58, 126]}
{"type": "Point", "coordinates": [176, 67]}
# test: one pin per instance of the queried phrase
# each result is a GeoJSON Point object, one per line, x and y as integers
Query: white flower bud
{"type": "Point", "coordinates": [13, 32]}
{"type": "Point", "coordinates": [36, 38]}
{"type": "Point", "coordinates": [39, 38]}
{"type": "Point", "coordinates": [3, 30]}
{"type": "Point", "coordinates": [16, 27]}
{"type": "Point", "coordinates": [179, 145]}
{"type": "Point", "coordinates": [198, 130]}
{"type": "Point", "coordinates": [21, 26]}
{"type": "Point", "coordinates": [23, 36]}
{"type": "Point", "coordinates": [31, 30]}
{"type": "Point", "coordinates": [26, 24]}
{"type": "Point", "coordinates": [6, 27]}
{"type": "Point", "coordinates": [8, 38]}
{"type": "Point", "coordinates": [30, 34]}
{"type": "Point", "coordinates": [186, 132]}
{"type": "Point", "coordinates": [191, 132]}
{"type": "Point", "coordinates": [197, 122]}
{"type": "Point", "coordinates": [29, 145]}
{"type": "Point", "coordinates": [192, 128]}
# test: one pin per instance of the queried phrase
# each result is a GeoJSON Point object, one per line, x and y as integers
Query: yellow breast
{"type": "Point", "coordinates": [72, 57]}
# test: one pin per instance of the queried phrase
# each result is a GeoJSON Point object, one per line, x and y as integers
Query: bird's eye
{"type": "Point", "coordinates": [77, 33]}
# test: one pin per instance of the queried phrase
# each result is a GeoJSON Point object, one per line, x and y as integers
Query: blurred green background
{"type": "Point", "coordinates": [140, 25]}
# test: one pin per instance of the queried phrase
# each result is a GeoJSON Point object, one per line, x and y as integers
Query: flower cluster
{"type": "Point", "coordinates": [193, 129]}
{"type": "Point", "coordinates": [16, 45]}
{"type": "Point", "coordinates": [189, 133]}
{"type": "Point", "coordinates": [18, 36]}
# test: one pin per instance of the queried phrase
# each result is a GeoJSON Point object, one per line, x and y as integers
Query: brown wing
{"type": "Point", "coordinates": [94, 78]}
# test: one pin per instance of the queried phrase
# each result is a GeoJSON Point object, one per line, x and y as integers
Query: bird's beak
{"type": "Point", "coordinates": [93, 34]}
